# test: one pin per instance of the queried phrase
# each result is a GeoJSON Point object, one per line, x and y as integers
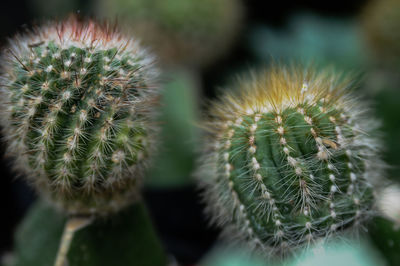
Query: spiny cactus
{"type": "Point", "coordinates": [188, 32]}
{"type": "Point", "coordinates": [291, 159]}
{"type": "Point", "coordinates": [78, 102]}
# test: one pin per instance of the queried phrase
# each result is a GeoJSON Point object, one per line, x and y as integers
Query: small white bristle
{"type": "Point", "coordinates": [278, 119]}
{"type": "Point", "coordinates": [353, 177]}
{"type": "Point", "coordinates": [66, 95]}
{"type": "Point", "coordinates": [49, 69]}
{"type": "Point", "coordinates": [308, 225]}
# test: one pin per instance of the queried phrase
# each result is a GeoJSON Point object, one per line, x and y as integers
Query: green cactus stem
{"type": "Point", "coordinates": [124, 238]}
{"type": "Point", "coordinates": [291, 160]}
{"type": "Point", "coordinates": [78, 101]}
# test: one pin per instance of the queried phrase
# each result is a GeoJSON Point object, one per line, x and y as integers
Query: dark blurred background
{"type": "Point", "coordinates": [324, 32]}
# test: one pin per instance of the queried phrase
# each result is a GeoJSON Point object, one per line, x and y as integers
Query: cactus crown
{"type": "Point", "coordinates": [291, 159]}
{"type": "Point", "coordinates": [77, 101]}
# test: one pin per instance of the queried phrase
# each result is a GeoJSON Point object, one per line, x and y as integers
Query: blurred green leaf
{"type": "Point", "coordinates": [175, 160]}
{"type": "Point", "coordinates": [386, 238]}
{"type": "Point", "coordinates": [38, 237]}
{"type": "Point", "coordinates": [388, 110]}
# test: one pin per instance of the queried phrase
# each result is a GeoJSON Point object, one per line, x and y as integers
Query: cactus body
{"type": "Point", "coordinates": [291, 160]}
{"type": "Point", "coordinates": [77, 101]}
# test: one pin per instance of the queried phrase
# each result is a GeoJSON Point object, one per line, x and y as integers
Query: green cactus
{"type": "Point", "coordinates": [78, 102]}
{"type": "Point", "coordinates": [292, 159]}
{"type": "Point", "coordinates": [125, 238]}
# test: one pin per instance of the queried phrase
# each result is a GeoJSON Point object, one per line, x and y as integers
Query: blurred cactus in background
{"type": "Point", "coordinates": [309, 38]}
{"type": "Point", "coordinates": [338, 252]}
{"type": "Point", "coordinates": [380, 20]}
{"type": "Point", "coordinates": [78, 107]}
{"type": "Point", "coordinates": [385, 235]}
{"type": "Point", "coordinates": [385, 229]}
{"type": "Point", "coordinates": [291, 158]}
{"type": "Point", "coordinates": [389, 204]}
{"type": "Point", "coordinates": [53, 8]}
{"type": "Point", "coordinates": [188, 32]}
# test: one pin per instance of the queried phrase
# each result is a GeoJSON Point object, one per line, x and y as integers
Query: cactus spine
{"type": "Point", "coordinates": [77, 111]}
{"type": "Point", "coordinates": [291, 160]}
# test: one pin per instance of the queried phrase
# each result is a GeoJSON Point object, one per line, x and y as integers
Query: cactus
{"type": "Point", "coordinates": [184, 32]}
{"type": "Point", "coordinates": [291, 159]}
{"type": "Point", "coordinates": [78, 102]}
{"type": "Point", "coordinates": [124, 238]}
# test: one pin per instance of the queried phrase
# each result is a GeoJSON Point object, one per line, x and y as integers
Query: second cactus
{"type": "Point", "coordinates": [292, 158]}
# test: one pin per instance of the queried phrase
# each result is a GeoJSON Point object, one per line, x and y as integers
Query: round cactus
{"type": "Point", "coordinates": [78, 102]}
{"type": "Point", "coordinates": [188, 32]}
{"type": "Point", "coordinates": [291, 159]}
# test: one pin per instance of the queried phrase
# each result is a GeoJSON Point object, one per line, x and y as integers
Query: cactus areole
{"type": "Point", "coordinates": [291, 159]}
{"type": "Point", "coordinates": [77, 108]}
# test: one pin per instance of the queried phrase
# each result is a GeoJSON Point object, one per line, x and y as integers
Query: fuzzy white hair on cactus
{"type": "Point", "coordinates": [389, 203]}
